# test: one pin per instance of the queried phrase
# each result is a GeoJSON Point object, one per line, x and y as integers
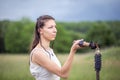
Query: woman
{"type": "Point", "coordinates": [44, 64]}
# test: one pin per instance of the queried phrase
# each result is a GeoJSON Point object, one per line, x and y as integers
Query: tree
{"type": "Point", "coordinates": [102, 34]}
{"type": "Point", "coordinates": [18, 37]}
{"type": "Point", "coordinates": [115, 27]}
{"type": "Point", "coordinates": [3, 26]}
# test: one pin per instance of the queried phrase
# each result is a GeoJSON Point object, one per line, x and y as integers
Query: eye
{"type": "Point", "coordinates": [50, 27]}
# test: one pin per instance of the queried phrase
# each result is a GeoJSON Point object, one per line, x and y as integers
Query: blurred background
{"type": "Point", "coordinates": [94, 20]}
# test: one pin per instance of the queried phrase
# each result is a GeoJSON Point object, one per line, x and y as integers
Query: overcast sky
{"type": "Point", "coordinates": [61, 10]}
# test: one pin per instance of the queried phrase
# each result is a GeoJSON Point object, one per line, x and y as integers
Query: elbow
{"type": "Point", "coordinates": [64, 75]}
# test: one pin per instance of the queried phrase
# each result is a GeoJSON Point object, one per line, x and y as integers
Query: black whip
{"type": "Point", "coordinates": [97, 63]}
{"type": "Point", "coordinates": [97, 56]}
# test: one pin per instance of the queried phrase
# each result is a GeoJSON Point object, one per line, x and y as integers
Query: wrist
{"type": "Point", "coordinates": [73, 50]}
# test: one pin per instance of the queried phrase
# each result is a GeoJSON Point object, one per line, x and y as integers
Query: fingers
{"type": "Point", "coordinates": [77, 41]}
{"type": "Point", "coordinates": [75, 45]}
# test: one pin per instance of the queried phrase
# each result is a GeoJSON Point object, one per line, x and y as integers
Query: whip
{"type": "Point", "coordinates": [97, 57]}
{"type": "Point", "coordinates": [97, 62]}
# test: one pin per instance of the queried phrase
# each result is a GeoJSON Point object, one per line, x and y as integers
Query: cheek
{"type": "Point", "coordinates": [47, 34]}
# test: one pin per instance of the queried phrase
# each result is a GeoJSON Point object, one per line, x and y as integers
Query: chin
{"type": "Point", "coordinates": [52, 39]}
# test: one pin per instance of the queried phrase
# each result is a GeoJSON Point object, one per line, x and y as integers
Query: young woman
{"type": "Point", "coordinates": [44, 64]}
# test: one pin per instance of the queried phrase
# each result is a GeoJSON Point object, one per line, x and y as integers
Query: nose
{"type": "Point", "coordinates": [55, 30]}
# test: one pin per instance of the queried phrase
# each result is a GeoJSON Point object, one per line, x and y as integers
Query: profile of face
{"type": "Point", "coordinates": [49, 30]}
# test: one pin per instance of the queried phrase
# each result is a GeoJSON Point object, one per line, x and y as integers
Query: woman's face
{"type": "Point", "coordinates": [49, 30]}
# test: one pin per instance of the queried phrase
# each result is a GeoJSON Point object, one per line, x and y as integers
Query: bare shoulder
{"type": "Point", "coordinates": [39, 56]}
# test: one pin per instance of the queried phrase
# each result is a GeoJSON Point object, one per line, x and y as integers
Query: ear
{"type": "Point", "coordinates": [40, 30]}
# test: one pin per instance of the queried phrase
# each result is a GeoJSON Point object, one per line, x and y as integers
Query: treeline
{"type": "Point", "coordinates": [16, 36]}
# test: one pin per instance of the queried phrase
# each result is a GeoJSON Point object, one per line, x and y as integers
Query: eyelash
{"type": "Point", "coordinates": [51, 27]}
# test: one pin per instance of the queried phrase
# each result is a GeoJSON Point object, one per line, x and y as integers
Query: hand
{"type": "Point", "coordinates": [75, 45]}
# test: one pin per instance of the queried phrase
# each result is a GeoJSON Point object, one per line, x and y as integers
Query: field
{"type": "Point", "coordinates": [16, 66]}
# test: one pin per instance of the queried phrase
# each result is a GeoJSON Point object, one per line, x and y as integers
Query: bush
{"type": "Point", "coordinates": [18, 36]}
{"type": "Point", "coordinates": [102, 34]}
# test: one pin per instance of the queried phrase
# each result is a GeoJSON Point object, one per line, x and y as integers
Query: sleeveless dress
{"type": "Point", "coordinates": [39, 72]}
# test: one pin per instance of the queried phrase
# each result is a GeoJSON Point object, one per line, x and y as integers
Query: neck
{"type": "Point", "coordinates": [45, 43]}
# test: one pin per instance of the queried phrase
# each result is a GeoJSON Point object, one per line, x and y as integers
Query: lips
{"type": "Point", "coordinates": [54, 35]}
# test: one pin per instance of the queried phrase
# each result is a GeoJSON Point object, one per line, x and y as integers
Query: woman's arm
{"type": "Point", "coordinates": [43, 60]}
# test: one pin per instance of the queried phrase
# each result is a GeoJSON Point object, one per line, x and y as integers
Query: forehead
{"type": "Point", "coordinates": [50, 22]}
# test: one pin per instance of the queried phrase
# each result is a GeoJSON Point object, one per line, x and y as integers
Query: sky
{"type": "Point", "coordinates": [61, 10]}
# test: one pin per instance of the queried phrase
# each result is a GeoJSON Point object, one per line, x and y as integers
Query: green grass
{"type": "Point", "coordinates": [16, 66]}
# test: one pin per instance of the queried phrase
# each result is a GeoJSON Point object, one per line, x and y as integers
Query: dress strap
{"type": "Point", "coordinates": [40, 49]}
{"type": "Point", "coordinates": [35, 49]}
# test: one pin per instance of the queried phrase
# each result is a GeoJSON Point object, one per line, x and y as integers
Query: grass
{"type": "Point", "coordinates": [16, 66]}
